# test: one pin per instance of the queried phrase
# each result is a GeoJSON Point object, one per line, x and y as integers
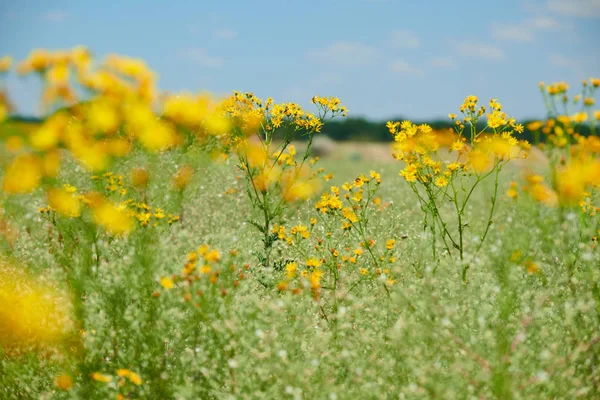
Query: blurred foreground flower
{"type": "Point", "coordinates": [33, 313]}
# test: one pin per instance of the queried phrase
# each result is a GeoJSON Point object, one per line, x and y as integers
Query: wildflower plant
{"type": "Point", "coordinates": [438, 179]}
{"type": "Point", "coordinates": [101, 297]}
{"type": "Point", "coordinates": [337, 253]}
{"type": "Point", "coordinates": [263, 135]}
{"type": "Point", "coordinates": [570, 182]}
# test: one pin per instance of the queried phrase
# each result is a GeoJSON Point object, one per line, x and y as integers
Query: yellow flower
{"type": "Point", "coordinates": [132, 376]}
{"type": "Point", "coordinates": [5, 63]}
{"type": "Point", "coordinates": [166, 283]}
{"type": "Point", "coordinates": [375, 175]}
{"type": "Point", "coordinates": [63, 382]}
{"type": "Point", "coordinates": [363, 271]}
{"type": "Point", "coordinates": [282, 286]}
{"type": "Point", "coordinates": [479, 161]}
{"type": "Point", "coordinates": [390, 243]}
{"type": "Point", "coordinates": [349, 215]}
{"type": "Point", "coordinates": [182, 178]}
{"type": "Point", "coordinates": [313, 262]}
{"type": "Point", "coordinates": [532, 267]}
{"type": "Point", "coordinates": [32, 312]}
{"type": "Point", "coordinates": [266, 178]}
{"type": "Point", "coordinates": [103, 116]}
{"type": "Point", "coordinates": [580, 117]}
{"type": "Point", "coordinates": [255, 154]}
{"type": "Point", "coordinates": [3, 112]}
{"type": "Point", "coordinates": [22, 175]}
{"type": "Point", "coordinates": [441, 181]}
{"type": "Point", "coordinates": [112, 218]}
{"type": "Point", "coordinates": [157, 136]}
{"type": "Point", "coordinates": [212, 256]}
{"type": "Point", "coordinates": [203, 249]}
{"type": "Point", "coordinates": [139, 178]}
{"type": "Point", "coordinates": [64, 203]}
{"type": "Point", "coordinates": [99, 377]}
{"type": "Point", "coordinates": [291, 268]}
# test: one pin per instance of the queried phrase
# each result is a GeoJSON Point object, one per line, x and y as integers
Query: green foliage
{"type": "Point", "coordinates": [513, 331]}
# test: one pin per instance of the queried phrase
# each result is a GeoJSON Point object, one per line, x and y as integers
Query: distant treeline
{"type": "Point", "coordinates": [362, 129]}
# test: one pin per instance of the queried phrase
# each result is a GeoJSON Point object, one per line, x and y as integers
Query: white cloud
{"type": "Point", "coordinates": [443, 62]}
{"type": "Point", "coordinates": [54, 16]}
{"type": "Point", "coordinates": [200, 57]}
{"type": "Point", "coordinates": [561, 61]}
{"type": "Point", "coordinates": [224, 34]}
{"type": "Point", "coordinates": [479, 50]}
{"type": "Point", "coordinates": [402, 38]}
{"type": "Point", "coordinates": [526, 30]}
{"type": "Point", "coordinates": [575, 8]}
{"type": "Point", "coordinates": [542, 22]}
{"type": "Point", "coordinates": [345, 54]}
{"type": "Point", "coordinates": [518, 33]}
{"type": "Point", "coordinates": [403, 68]}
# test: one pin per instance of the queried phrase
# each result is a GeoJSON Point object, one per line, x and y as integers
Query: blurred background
{"type": "Point", "coordinates": [386, 59]}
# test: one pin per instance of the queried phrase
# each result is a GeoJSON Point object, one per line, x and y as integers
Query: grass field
{"type": "Point", "coordinates": [512, 331]}
{"type": "Point", "coordinates": [192, 247]}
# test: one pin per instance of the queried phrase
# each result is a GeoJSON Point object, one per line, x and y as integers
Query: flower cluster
{"type": "Point", "coordinates": [349, 207]}
{"type": "Point", "coordinates": [205, 275]}
{"type": "Point", "coordinates": [475, 151]}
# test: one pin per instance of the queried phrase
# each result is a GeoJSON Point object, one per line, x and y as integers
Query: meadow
{"type": "Point", "coordinates": [194, 247]}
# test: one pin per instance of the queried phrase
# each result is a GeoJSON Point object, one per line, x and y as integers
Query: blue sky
{"type": "Point", "coordinates": [383, 58]}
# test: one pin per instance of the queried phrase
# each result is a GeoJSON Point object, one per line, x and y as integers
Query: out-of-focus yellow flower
{"type": "Point", "coordinates": [266, 178]}
{"type": "Point", "coordinates": [48, 134]}
{"type": "Point", "coordinates": [255, 154]}
{"type": "Point", "coordinates": [51, 163]}
{"type": "Point", "coordinates": [183, 177]}
{"type": "Point", "coordinates": [313, 262]}
{"type": "Point", "coordinates": [187, 109]}
{"type": "Point", "coordinates": [479, 161]}
{"type": "Point", "coordinates": [22, 175]}
{"type": "Point", "coordinates": [112, 218]}
{"type": "Point", "coordinates": [139, 178]}
{"type": "Point", "coordinates": [3, 112]}
{"type": "Point", "coordinates": [217, 124]}
{"type": "Point", "coordinates": [38, 60]}
{"type": "Point", "coordinates": [535, 125]}
{"type": "Point", "coordinates": [118, 146]}
{"type": "Point", "coordinates": [300, 190]}
{"type": "Point", "coordinates": [512, 192]}
{"type": "Point", "coordinates": [92, 155]}
{"type": "Point", "coordinates": [5, 63]}
{"type": "Point", "coordinates": [166, 283]}
{"type": "Point", "coordinates": [544, 194]}
{"type": "Point", "coordinates": [64, 203]}
{"type": "Point", "coordinates": [157, 136]}
{"type": "Point", "coordinates": [81, 58]}
{"type": "Point", "coordinates": [103, 116]}
{"type": "Point", "coordinates": [33, 313]}
{"type": "Point", "coordinates": [58, 75]}
{"type": "Point", "coordinates": [132, 376]}
{"type": "Point", "coordinates": [580, 117]}
{"type": "Point", "coordinates": [64, 382]}
{"type": "Point", "coordinates": [100, 377]}
{"type": "Point", "coordinates": [14, 143]}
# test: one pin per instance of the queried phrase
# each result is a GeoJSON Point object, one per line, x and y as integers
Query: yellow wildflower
{"type": "Point", "coordinates": [166, 283]}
